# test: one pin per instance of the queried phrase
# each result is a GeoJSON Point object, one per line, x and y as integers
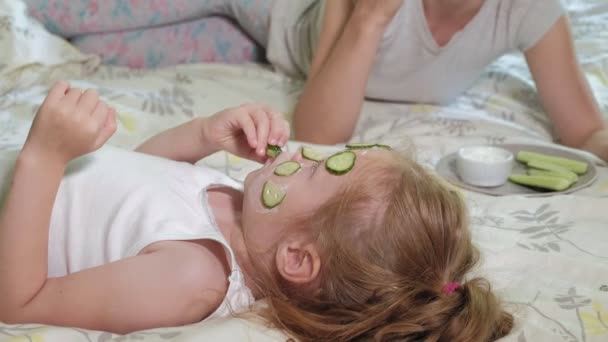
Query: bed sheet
{"type": "Point", "coordinates": [547, 257]}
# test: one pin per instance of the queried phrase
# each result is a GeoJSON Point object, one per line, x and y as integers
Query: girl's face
{"type": "Point", "coordinates": [306, 190]}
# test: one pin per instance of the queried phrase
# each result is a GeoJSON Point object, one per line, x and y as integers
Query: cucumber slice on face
{"type": "Point", "coordinates": [310, 154]}
{"type": "Point", "coordinates": [359, 146]}
{"type": "Point", "coordinates": [386, 147]}
{"type": "Point", "coordinates": [272, 151]}
{"type": "Point", "coordinates": [272, 195]}
{"type": "Point", "coordinates": [287, 168]}
{"type": "Point", "coordinates": [340, 163]}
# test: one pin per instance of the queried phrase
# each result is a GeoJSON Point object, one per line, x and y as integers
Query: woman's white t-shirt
{"type": "Point", "coordinates": [409, 65]}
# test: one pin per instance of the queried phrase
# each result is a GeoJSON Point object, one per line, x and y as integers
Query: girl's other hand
{"type": "Point", "coordinates": [246, 131]}
{"type": "Point", "coordinates": [70, 123]}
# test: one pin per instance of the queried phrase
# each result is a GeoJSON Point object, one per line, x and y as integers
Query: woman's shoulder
{"type": "Point", "coordinates": [535, 19]}
{"type": "Point", "coordinates": [524, 22]}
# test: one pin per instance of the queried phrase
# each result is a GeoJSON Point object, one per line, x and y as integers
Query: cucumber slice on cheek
{"type": "Point", "coordinates": [341, 163]}
{"type": "Point", "coordinates": [287, 168]}
{"type": "Point", "coordinates": [272, 195]}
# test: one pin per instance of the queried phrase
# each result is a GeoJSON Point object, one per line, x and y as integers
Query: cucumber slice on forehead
{"type": "Point", "coordinates": [386, 147]}
{"type": "Point", "coordinates": [361, 146]}
{"type": "Point", "coordinates": [310, 154]}
{"type": "Point", "coordinates": [341, 163]}
{"type": "Point", "coordinates": [272, 151]}
{"type": "Point", "coordinates": [272, 195]}
{"type": "Point", "coordinates": [287, 168]}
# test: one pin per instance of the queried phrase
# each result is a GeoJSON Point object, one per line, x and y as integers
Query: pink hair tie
{"type": "Point", "coordinates": [449, 288]}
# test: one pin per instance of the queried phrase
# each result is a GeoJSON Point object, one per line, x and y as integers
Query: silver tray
{"type": "Point", "coordinates": [447, 169]}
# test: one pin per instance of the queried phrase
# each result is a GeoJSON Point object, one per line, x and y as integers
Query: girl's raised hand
{"type": "Point", "coordinates": [246, 131]}
{"type": "Point", "coordinates": [69, 124]}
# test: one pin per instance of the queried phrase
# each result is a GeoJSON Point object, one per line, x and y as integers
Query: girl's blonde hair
{"type": "Point", "coordinates": [389, 243]}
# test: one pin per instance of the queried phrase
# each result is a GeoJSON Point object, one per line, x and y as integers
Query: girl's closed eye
{"type": "Point", "coordinates": [313, 169]}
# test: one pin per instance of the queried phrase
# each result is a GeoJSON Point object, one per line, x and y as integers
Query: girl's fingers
{"type": "Point", "coordinates": [262, 126]}
{"type": "Point", "coordinates": [88, 101]}
{"type": "Point", "coordinates": [108, 128]}
{"type": "Point", "coordinates": [246, 123]}
{"type": "Point", "coordinates": [100, 114]}
{"type": "Point", "coordinates": [277, 128]}
{"type": "Point", "coordinates": [286, 133]}
{"type": "Point", "coordinates": [56, 93]}
{"type": "Point", "coordinates": [72, 97]}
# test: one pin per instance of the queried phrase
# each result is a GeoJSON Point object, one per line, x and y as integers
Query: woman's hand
{"type": "Point", "coordinates": [246, 131]}
{"type": "Point", "coordinates": [598, 144]}
{"type": "Point", "coordinates": [69, 124]}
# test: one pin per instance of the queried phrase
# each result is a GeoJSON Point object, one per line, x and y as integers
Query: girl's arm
{"type": "Point", "coordinates": [329, 106]}
{"type": "Point", "coordinates": [244, 131]}
{"type": "Point", "coordinates": [182, 143]}
{"type": "Point", "coordinates": [173, 283]}
{"type": "Point", "coordinates": [564, 90]}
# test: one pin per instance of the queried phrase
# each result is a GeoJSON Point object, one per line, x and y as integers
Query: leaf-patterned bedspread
{"type": "Point", "coordinates": [548, 257]}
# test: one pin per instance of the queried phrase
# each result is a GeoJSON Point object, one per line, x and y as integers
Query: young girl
{"type": "Point", "coordinates": [377, 249]}
{"type": "Point", "coordinates": [427, 51]}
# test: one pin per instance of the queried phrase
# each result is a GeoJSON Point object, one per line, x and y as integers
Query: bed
{"type": "Point", "coordinates": [547, 256]}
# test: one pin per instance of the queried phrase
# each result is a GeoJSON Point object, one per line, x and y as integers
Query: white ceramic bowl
{"type": "Point", "coordinates": [484, 166]}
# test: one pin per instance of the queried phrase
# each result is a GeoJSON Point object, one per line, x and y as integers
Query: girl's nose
{"type": "Point", "coordinates": [297, 157]}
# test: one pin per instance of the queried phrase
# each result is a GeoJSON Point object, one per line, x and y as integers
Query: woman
{"type": "Point", "coordinates": [426, 51]}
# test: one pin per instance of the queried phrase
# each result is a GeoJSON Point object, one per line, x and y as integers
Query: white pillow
{"type": "Point", "coordinates": [29, 53]}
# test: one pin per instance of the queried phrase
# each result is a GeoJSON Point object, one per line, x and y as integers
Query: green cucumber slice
{"type": "Point", "coordinates": [287, 168]}
{"type": "Point", "coordinates": [310, 154]}
{"type": "Point", "coordinates": [545, 173]}
{"type": "Point", "coordinates": [360, 146]}
{"type": "Point", "coordinates": [575, 166]}
{"type": "Point", "coordinates": [341, 162]}
{"type": "Point", "coordinates": [272, 195]}
{"type": "Point", "coordinates": [272, 151]}
{"type": "Point", "coordinates": [553, 168]}
{"type": "Point", "coordinates": [543, 182]}
{"type": "Point", "coordinates": [386, 147]}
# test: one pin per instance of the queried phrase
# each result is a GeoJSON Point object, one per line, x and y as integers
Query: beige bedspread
{"type": "Point", "coordinates": [548, 257]}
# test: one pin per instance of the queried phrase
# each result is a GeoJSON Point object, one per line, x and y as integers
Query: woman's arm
{"type": "Point", "coordinates": [564, 90]}
{"type": "Point", "coordinates": [329, 106]}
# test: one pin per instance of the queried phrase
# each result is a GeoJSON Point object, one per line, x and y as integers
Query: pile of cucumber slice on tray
{"type": "Point", "coordinates": [548, 172]}
{"type": "Point", "coordinates": [337, 164]}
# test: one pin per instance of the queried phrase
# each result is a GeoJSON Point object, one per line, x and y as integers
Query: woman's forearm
{"type": "Point", "coordinates": [329, 106]}
{"type": "Point", "coordinates": [24, 227]}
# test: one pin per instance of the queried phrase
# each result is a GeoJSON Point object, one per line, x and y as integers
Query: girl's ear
{"type": "Point", "coordinates": [298, 262]}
